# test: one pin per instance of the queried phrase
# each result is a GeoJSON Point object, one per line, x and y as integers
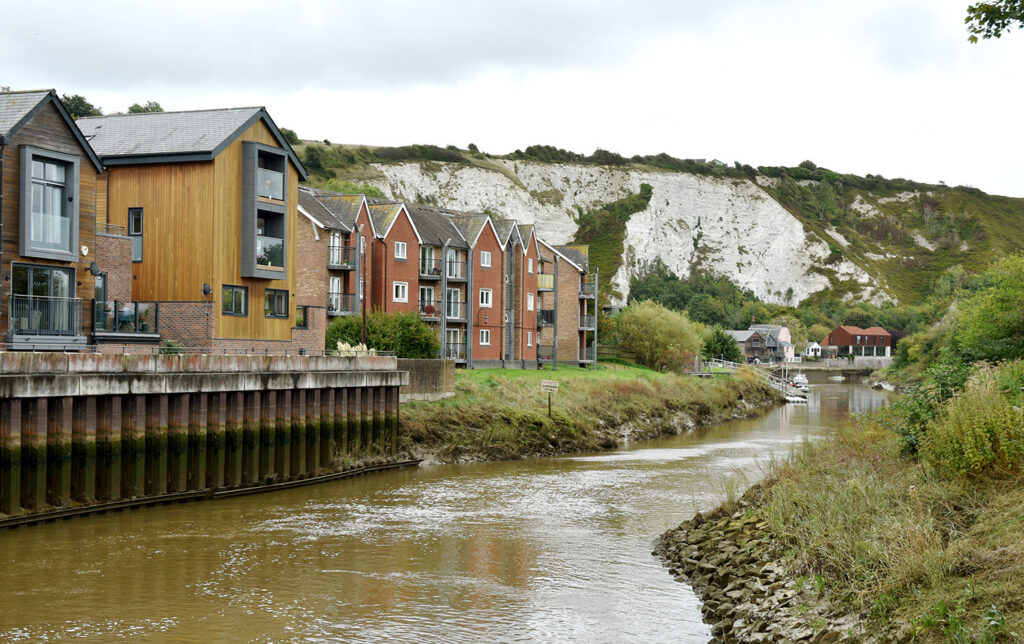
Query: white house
{"type": "Point", "coordinates": [812, 350]}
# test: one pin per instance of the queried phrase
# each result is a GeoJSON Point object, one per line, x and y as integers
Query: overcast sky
{"type": "Point", "coordinates": [883, 87]}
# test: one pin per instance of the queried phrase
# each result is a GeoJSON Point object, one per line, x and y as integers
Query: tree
{"type": "Point", "coordinates": [150, 106]}
{"type": "Point", "coordinates": [77, 106]}
{"type": "Point", "coordinates": [719, 344]}
{"type": "Point", "coordinates": [290, 136]}
{"type": "Point", "coordinates": [990, 322]}
{"type": "Point", "coordinates": [404, 333]}
{"type": "Point", "coordinates": [991, 19]}
{"type": "Point", "coordinates": [659, 338]}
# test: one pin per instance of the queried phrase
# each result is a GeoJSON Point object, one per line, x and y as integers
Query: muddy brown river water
{"type": "Point", "coordinates": [553, 549]}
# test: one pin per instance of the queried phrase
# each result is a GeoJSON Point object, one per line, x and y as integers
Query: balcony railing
{"type": "Point", "coordinates": [455, 351]}
{"type": "Point", "coordinates": [115, 316]}
{"type": "Point", "coordinates": [430, 309]}
{"type": "Point", "coordinates": [545, 282]}
{"type": "Point", "coordinates": [453, 309]}
{"type": "Point", "coordinates": [587, 354]}
{"type": "Point", "coordinates": [588, 321]}
{"type": "Point", "coordinates": [111, 229]}
{"type": "Point", "coordinates": [341, 303]}
{"type": "Point", "coordinates": [455, 269]}
{"type": "Point", "coordinates": [546, 352]}
{"type": "Point", "coordinates": [341, 257]}
{"type": "Point", "coordinates": [545, 317]}
{"type": "Point", "coordinates": [588, 289]}
{"type": "Point", "coordinates": [269, 184]}
{"type": "Point", "coordinates": [269, 251]}
{"type": "Point", "coordinates": [430, 268]}
{"type": "Point", "coordinates": [36, 315]}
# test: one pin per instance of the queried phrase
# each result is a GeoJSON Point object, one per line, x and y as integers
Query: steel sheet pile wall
{"type": "Point", "coordinates": [86, 429]}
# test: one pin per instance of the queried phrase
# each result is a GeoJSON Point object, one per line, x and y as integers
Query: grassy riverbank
{"type": "Point", "coordinates": [865, 538]}
{"type": "Point", "coordinates": [503, 414]}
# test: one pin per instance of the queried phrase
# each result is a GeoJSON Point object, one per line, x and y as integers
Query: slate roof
{"type": "Point", "coordinates": [345, 208]}
{"type": "Point", "coordinates": [435, 226]}
{"type": "Point", "coordinates": [309, 202]}
{"type": "Point", "coordinates": [579, 255]}
{"type": "Point", "coordinates": [383, 213]}
{"type": "Point", "coordinates": [197, 135]}
{"type": "Point", "coordinates": [470, 225]}
{"type": "Point", "coordinates": [505, 228]}
{"type": "Point", "coordinates": [741, 336]}
{"type": "Point", "coordinates": [17, 108]}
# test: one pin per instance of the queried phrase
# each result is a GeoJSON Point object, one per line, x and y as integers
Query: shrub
{"type": "Point", "coordinates": [659, 338]}
{"type": "Point", "coordinates": [719, 344]}
{"type": "Point", "coordinates": [990, 322]}
{"type": "Point", "coordinates": [349, 188]}
{"type": "Point", "coordinates": [171, 348]}
{"type": "Point", "coordinates": [404, 333]}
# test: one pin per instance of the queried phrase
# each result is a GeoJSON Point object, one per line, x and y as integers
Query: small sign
{"type": "Point", "coordinates": [549, 385]}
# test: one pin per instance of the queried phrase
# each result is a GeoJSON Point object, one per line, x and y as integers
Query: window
{"type": "Point", "coordinates": [399, 250]}
{"type": "Point", "coordinates": [485, 337]}
{"type": "Point", "coordinates": [529, 265]}
{"type": "Point", "coordinates": [234, 300]}
{"type": "Point", "coordinates": [334, 295]}
{"type": "Point", "coordinates": [362, 244]}
{"type": "Point", "coordinates": [275, 303]}
{"type": "Point", "coordinates": [485, 298]}
{"type": "Point", "coordinates": [401, 291]}
{"type": "Point", "coordinates": [529, 301]}
{"type": "Point", "coordinates": [529, 338]}
{"type": "Point", "coordinates": [454, 266]}
{"type": "Point", "coordinates": [301, 317]}
{"type": "Point", "coordinates": [49, 205]}
{"type": "Point", "coordinates": [485, 259]}
{"type": "Point", "coordinates": [135, 232]}
{"type": "Point", "coordinates": [452, 303]}
{"type": "Point", "coordinates": [43, 301]}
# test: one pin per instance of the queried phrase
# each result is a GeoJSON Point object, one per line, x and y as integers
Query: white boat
{"type": "Point", "coordinates": [799, 380]}
{"type": "Point", "coordinates": [836, 378]}
{"type": "Point", "coordinates": [796, 399]}
{"type": "Point", "coordinates": [804, 388]}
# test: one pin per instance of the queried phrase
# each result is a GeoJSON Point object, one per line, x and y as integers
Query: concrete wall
{"type": "Point", "coordinates": [428, 379]}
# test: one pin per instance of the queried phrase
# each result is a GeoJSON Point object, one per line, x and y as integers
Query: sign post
{"type": "Point", "coordinates": [549, 386]}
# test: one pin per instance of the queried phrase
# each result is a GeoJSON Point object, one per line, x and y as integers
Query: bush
{"type": "Point", "coordinates": [404, 333]}
{"type": "Point", "coordinates": [171, 348]}
{"type": "Point", "coordinates": [659, 338]}
{"type": "Point", "coordinates": [349, 188]}
{"type": "Point", "coordinates": [990, 322]}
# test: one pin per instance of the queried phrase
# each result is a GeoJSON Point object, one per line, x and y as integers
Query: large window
{"type": "Point", "coordinates": [334, 295]}
{"type": "Point", "coordinates": [400, 249]}
{"type": "Point", "coordinates": [275, 303]}
{"type": "Point", "coordinates": [485, 298]}
{"type": "Point", "coordinates": [49, 205]}
{"type": "Point", "coordinates": [42, 300]}
{"type": "Point", "coordinates": [234, 300]}
{"type": "Point", "coordinates": [135, 232]}
{"type": "Point", "coordinates": [401, 292]}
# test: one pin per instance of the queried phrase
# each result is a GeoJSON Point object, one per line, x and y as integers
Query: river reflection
{"type": "Point", "coordinates": [546, 549]}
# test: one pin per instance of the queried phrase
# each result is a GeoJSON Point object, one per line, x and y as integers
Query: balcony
{"type": "Point", "coordinates": [545, 317]}
{"type": "Point", "coordinates": [454, 310]}
{"type": "Point", "coordinates": [269, 184]}
{"type": "Point", "coordinates": [455, 269]}
{"type": "Point", "coordinates": [269, 251]}
{"type": "Point", "coordinates": [430, 309]}
{"type": "Point", "coordinates": [430, 268]}
{"type": "Point", "coordinates": [588, 290]}
{"type": "Point", "coordinates": [141, 318]}
{"type": "Point", "coordinates": [546, 352]}
{"type": "Point", "coordinates": [455, 351]}
{"type": "Point", "coordinates": [588, 322]}
{"type": "Point", "coordinates": [545, 282]}
{"type": "Point", "coordinates": [341, 304]}
{"type": "Point", "coordinates": [588, 354]}
{"type": "Point", "coordinates": [37, 315]}
{"type": "Point", "coordinates": [341, 257]}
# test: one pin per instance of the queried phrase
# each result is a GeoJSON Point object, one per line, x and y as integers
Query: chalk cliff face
{"type": "Point", "coordinates": [728, 226]}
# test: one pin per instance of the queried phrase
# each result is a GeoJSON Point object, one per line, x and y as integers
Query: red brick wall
{"type": "Point", "coordinates": [367, 261]}
{"type": "Point", "coordinates": [190, 323]}
{"type": "Point", "coordinates": [114, 257]}
{"type": "Point", "coordinates": [398, 270]}
{"type": "Point", "coordinates": [567, 309]}
{"type": "Point", "coordinates": [486, 318]}
{"type": "Point", "coordinates": [311, 283]}
{"type": "Point", "coordinates": [529, 318]}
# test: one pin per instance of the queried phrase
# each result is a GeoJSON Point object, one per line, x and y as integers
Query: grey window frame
{"type": "Point", "coordinates": [71, 183]}
{"type": "Point", "coordinates": [276, 292]}
{"type": "Point", "coordinates": [136, 234]}
{"type": "Point", "coordinates": [245, 300]}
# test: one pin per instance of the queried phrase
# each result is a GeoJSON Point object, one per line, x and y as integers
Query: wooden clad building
{"type": "Point", "coordinates": [210, 201]}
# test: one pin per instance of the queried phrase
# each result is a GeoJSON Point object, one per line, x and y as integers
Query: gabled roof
{"type": "Point", "coordinates": [743, 336]}
{"type": "Point", "coordinates": [344, 208]}
{"type": "Point", "coordinates": [172, 137]}
{"type": "Point", "coordinates": [528, 231]}
{"type": "Point", "coordinates": [391, 213]}
{"type": "Point", "coordinates": [876, 330]}
{"type": "Point", "coordinates": [471, 227]}
{"type": "Point", "coordinates": [18, 108]}
{"type": "Point", "coordinates": [316, 210]}
{"type": "Point", "coordinates": [436, 227]}
{"type": "Point", "coordinates": [580, 255]}
{"type": "Point", "coordinates": [507, 228]}
{"type": "Point", "coordinates": [556, 251]}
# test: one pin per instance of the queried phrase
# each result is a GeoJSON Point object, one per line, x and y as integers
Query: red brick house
{"type": "Point", "coordinates": [526, 295]}
{"type": "Point", "coordinates": [485, 290]}
{"type": "Point", "coordinates": [849, 340]}
{"type": "Point", "coordinates": [396, 253]}
{"type": "Point", "coordinates": [563, 316]}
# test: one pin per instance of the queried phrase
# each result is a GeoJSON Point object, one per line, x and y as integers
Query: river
{"type": "Point", "coordinates": [549, 549]}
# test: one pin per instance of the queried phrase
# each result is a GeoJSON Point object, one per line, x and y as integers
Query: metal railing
{"type": "Point", "coordinates": [545, 317]}
{"type": "Point", "coordinates": [773, 381]}
{"type": "Point", "coordinates": [341, 303]}
{"type": "Point", "coordinates": [588, 289]}
{"type": "Point", "coordinates": [111, 229]}
{"type": "Point", "coordinates": [430, 309]}
{"type": "Point", "coordinates": [588, 321]}
{"type": "Point", "coordinates": [270, 184]}
{"type": "Point", "coordinates": [455, 269]}
{"type": "Point", "coordinates": [453, 309]}
{"type": "Point", "coordinates": [588, 353]}
{"type": "Point", "coordinates": [115, 316]}
{"type": "Point", "coordinates": [430, 268]}
{"type": "Point", "coordinates": [39, 315]}
{"type": "Point", "coordinates": [546, 281]}
{"type": "Point", "coordinates": [546, 352]}
{"type": "Point", "coordinates": [455, 351]}
{"type": "Point", "coordinates": [341, 257]}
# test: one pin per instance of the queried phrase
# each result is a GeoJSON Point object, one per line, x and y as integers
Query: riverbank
{"type": "Point", "coordinates": [849, 539]}
{"type": "Point", "coordinates": [503, 414]}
